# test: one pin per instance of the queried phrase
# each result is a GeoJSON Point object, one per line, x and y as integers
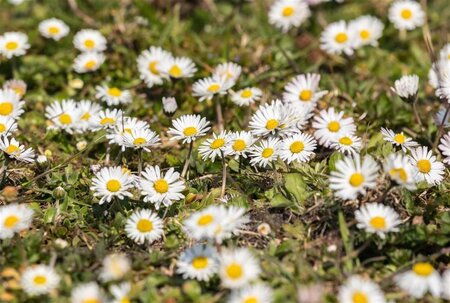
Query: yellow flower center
{"type": "Point", "coordinates": [11, 221]}
{"type": "Point", "coordinates": [271, 124]}
{"type": "Point", "coordinates": [152, 67]}
{"type": "Point", "coordinates": [334, 126]}
{"type": "Point", "coordinates": [378, 223]}
{"type": "Point", "coordinates": [288, 11]}
{"type": "Point", "coordinates": [239, 145]}
{"type": "Point", "coordinates": [113, 185]}
{"type": "Point", "coordinates": [346, 141]}
{"type": "Point", "coordinates": [234, 271]}
{"type": "Point", "coordinates": [213, 88]}
{"type": "Point", "coordinates": [125, 300]}
{"type": "Point", "coordinates": [190, 131]}
{"type": "Point", "coordinates": [205, 220]}
{"type": "Point", "coordinates": [144, 225]}
{"type": "Point", "coordinates": [65, 119]}
{"type": "Point", "coordinates": [161, 186]}
{"type": "Point", "coordinates": [175, 71]}
{"type": "Point", "coordinates": [107, 120]}
{"type": "Point", "coordinates": [90, 64]}
{"type": "Point", "coordinates": [89, 43]}
{"type": "Point", "coordinates": [424, 166]}
{"type": "Point", "coordinates": [93, 300]}
{"type": "Point", "coordinates": [217, 143]}
{"type": "Point", "coordinates": [251, 300]}
{"type": "Point", "coordinates": [86, 116]}
{"type": "Point", "coordinates": [200, 262]}
{"type": "Point", "coordinates": [341, 38]}
{"type": "Point", "coordinates": [297, 147]}
{"type": "Point", "coordinates": [364, 34]}
{"type": "Point", "coordinates": [2, 127]}
{"type": "Point", "coordinates": [246, 93]}
{"type": "Point", "coordinates": [139, 141]}
{"type": "Point", "coordinates": [114, 92]}
{"type": "Point", "coordinates": [305, 95]}
{"type": "Point", "coordinates": [53, 30]}
{"type": "Point", "coordinates": [267, 152]}
{"type": "Point", "coordinates": [399, 138]}
{"type": "Point", "coordinates": [6, 108]}
{"type": "Point", "coordinates": [359, 297]}
{"type": "Point", "coordinates": [11, 149]}
{"type": "Point", "coordinates": [399, 173]}
{"type": "Point", "coordinates": [423, 269]}
{"type": "Point", "coordinates": [406, 14]}
{"type": "Point", "coordinates": [40, 280]}
{"type": "Point", "coordinates": [20, 91]}
{"type": "Point", "coordinates": [11, 45]}
{"type": "Point", "coordinates": [356, 179]}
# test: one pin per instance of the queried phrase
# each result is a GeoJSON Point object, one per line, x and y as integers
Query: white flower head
{"type": "Point", "coordinates": [89, 40]}
{"type": "Point", "coordinates": [189, 127]}
{"type": "Point", "coordinates": [10, 104]}
{"type": "Point", "coordinates": [107, 119]}
{"type": "Point", "coordinates": [144, 225]}
{"type": "Point", "coordinates": [53, 29]}
{"type": "Point", "coordinates": [238, 267]}
{"type": "Point", "coordinates": [258, 292]}
{"type": "Point", "coordinates": [358, 289]}
{"type": "Point", "coordinates": [14, 218]}
{"type": "Point", "coordinates": [39, 280]}
{"type": "Point", "coordinates": [368, 30]}
{"type": "Point", "coordinates": [112, 182]}
{"type": "Point", "coordinates": [420, 279]}
{"type": "Point", "coordinates": [88, 62]}
{"type": "Point", "coordinates": [298, 148]}
{"type": "Point", "coordinates": [169, 105]}
{"type": "Point", "coordinates": [120, 292]}
{"type": "Point", "coordinates": [217, 146]}
{"type": "Point", "coordinates": [64, 115]}
{"type": "Point", "coordinates": [246, 96]}
{"type": "Point", "coordinates": [377, 218]}
{"type": "Point", "coordinates": [178, 67]}
{"type": "Point", "coordinates": [228, 70]}
{"type": "Point", "coordinates": [285, 14]}
{"type": "Point", "coordinates": [304, 90]}
{"type": "Point", "coordinates": [398, 139]}
{"type": "Point", "coordinates": [406, 87]}
{"type": "Point", "coordinates": [207, 88]}
{"type": "Point", "coordinates": [338, 38]}
{"type": "Point", "coordinates": [347, 144]}
{"type": "Point", "coordinates": [240, 144]}
{"type": "Point", "coordinates": [19, 86]}
{"type": "Point", "coordinates": [429, 169]}
{"type": "Point", "coordinates": [401, 170]}
{"type": "Point", "coordinates": [330, 125]}
{"type": "Point", "coordinates": [113, 95]}
{"type": "Point", "coordinates": [406, 14]}
{"type": "Point", "coordinates": [17, 151]}
{"type": "Point", "coordinates": [198, 262]}
{"type": "Point", "coordinates": [114, 267]}
{"type": "Point", "coordinates": [265, 152]}
{"type": "Point", "coordinates": [87, 292]}
{"type": "Point", "coordinates": [149, 64]}
{"type": "Point", "coordinates": [13, 44]}
{"type": "Point", "coordinates": [140, 139]}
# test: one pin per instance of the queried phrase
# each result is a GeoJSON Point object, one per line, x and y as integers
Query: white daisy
{"type": "Point", "coordinates": [189, 127]}
{"type": "Point", "coordinates": [169, 105]}
{"type": "Point", "coordinates": [406, 87]}
{"type": "Point", "coordinates": [63, 115]}
{"type": "Point", "coordinates": [406, 14]}
{"type": "Point", "coordinates": [140, 139]}
{"type": "Point", "coordinates": [18, 86]}
{"type": "Point", "coordinates": [149, 65]}
{"type": "Point", "coordinates": [255, 293]}
{"type": "Point", "coordinates": [7, 126]}
{"type": "Point", "coordinates": [265, 152]}
{"type": "Point", "coordinates": [13, 44]}
{"type": "Point", "coordinates": [86, 112]}
{"type": "Point", "coordinates": [178, 67]}
{"type": "Point", "coordinates": [125, 125]}
{"type": "Point", "coordinates": [338, 38]}
{"type": "Point", "coordinates": [368, 30]}
{"type": "Point", "coordinates": [198, 262]}
{"type": "Point", "coordinates": [400, 169]}
{"type": "Point", "coordinates": [14, 218]}
{"type": "Point", "coordinates": [286, 14]}
{"type": "Point", "coordinates": [16, 151]}
{"type": "Point", "coordinates": [159, 188]}
{"type": "Point", "coordinates": [238, 267]}
{"type": "Point", "coordinates": [420, 279]}
{"type": "Point", "coordinates": [444, 147]}
{"type": "Point", "coordinates": [347, 144]}
{"type": "Point", "coordinates": [87, 292]}
{"type": "Point", "coordinates": [228, 70]}
{"type": "Point", "coordinates": [298, 148]}
{"type": "Point", "coordinates": [429, 169]}
{"type": "Point", "coordinates": [113, 96]}
{"type": "Point", "coordinates": [446, 284]}
{"type": "Point", "coordinates": [330, 125]}
{"type": "Point", "coordinates": [89, 40]}
{"type": "Point", "coordinates": [107, 119]}
{"type": "Point", "coordinates": [304, 88]}
{"type": "Point", "coordinates": [115, 267]}
{"type": "Point", "coordinates": [10, 104]}
{"type": "Point", "coordinates": [121, 293]}
{"type": "Point", "coordinates": [357, 290]}
{"type": "Point", "coordinates": [353, 176]}
{"type": "Point", "coordinates": [398, 139]}
{"type": "Point", "coordinates": [39, 280]}
{"type": "Point", "coordinates": [231, 223]}
{"type": "Point", "coordinates": [112, 182]}
{"type": "Point", "coordinates": [215, 146]}
{"type": "Point", "coordinates": [144, 225]}
{"type": "Point", "coordinates": [204, 223]}
{"type": "Point", "coordinates": [443, 90]}
{"type": "Point", "coordinates": [53, 29]}
{"type": "Point", "coordinates": [377, 218]}
{"type": "Point", "coordinates": [88, 62]}
{"type": "Point", "coordinates": [239, 144]}
{"type": "Point", "coordinates": [246, 96]}
{"type": "Point", "coordinates": [437, 68]}
{"type": "Point", "coordinates": [206, 88]}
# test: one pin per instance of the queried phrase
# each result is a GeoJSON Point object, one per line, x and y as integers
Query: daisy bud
{"type": "Point", "coordinates": [264, 229]}
{"type": "Point", "coordinates": [41, 159]}
{"type": "Point", "coordinates": [76, 83]}
{"type": "Point", "coordinates": [59, 193]}
{"type": "Point", "coordinates": [19, 86]}
{"type": "Point", "coordinates": [169, 105]}
{"type": "Point", "coordinates": [61, 244]}
{"type": "Point", "coordinates": [406, 88]}
{"type": "Point", "coordinates": [81, 145]}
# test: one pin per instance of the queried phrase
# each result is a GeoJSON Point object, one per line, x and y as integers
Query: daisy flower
{"type": "Point", "coordinates": [13, 44]}
{"type": "Point", "coordinates": [347, 144]}
{"type": "Point", "coordinates": [398, 139]}
{"type": "Point", "coordinates": [337, 38]}
{"type": "Point", "coordinates": [107, 119]}
{"type": "Point", "coordinates": [114, 267]}
{"type": "Point", "coordinates": [420, 279]}
{"type": "Point", "coordinates": [10, 104]}
{"type": "Point", "coordinates": [169, 105]}
{"type": "Point", "coordinates": [406, 87]}
{"type": "Point", "coordinates": [330, 125]}
{"type": "Point", "coordinates": [207, 88]}
{"type": "Point", "coordinates": [304, 88]}
{"type": "Point", "coordinates": [86, 111]}
{"type": "Point", "coordinates": [89, 40]}
{"type": "Point", "coordinates": [126, 125]}
{"type": "Point", "coordinates": [14, 218]}
{"type": "Point", "coordinates": [256, 293]}
{"type": "Point", "coordinates": [178, 67]}
{"type": "Point", "coordinates": [87, 292]}
{"type": "Point", "coordinates": [53, 29]}
{"type": "Point", "coordinates": [204, 223]}
{"type": "Point", "coordinates": [357, 289]}
{"type": "Point", "coordinates": [215, 146]}
{"type": "Point", "coordinates": [443, 90]}
{"type": "Point", "coordinates": [353, 176]}
{"type": "Point", "coordinates": [228, 70]}
{"type": "Point", "coordinates": [7, 126]}
{"type": "Point", "coordinates": [400, 170]}
{"type": "Point", "coordinates": [275, 118]}
{"type": "Point", "coordinates": [368, 30]}
{"type": "Point", "coordinates": [444, 147]}
{"type": "Point", "coordinates": [285, 14]}
{"type": "Point", "coordinates": [429, 169]}
{"type": "Point", "coordinates": [198, 262]}
{"type": "Point", "coordinates": [189, 127]}
{"type": "Point", "coordinates": [121, 293]}
{"type": "Point", "coordinates": [18, 86]}
{"type": "Point", "coordinates": [246, 96]}
{"type": "Point", "coordinates": [63, 115]}
{"type": "Point", "coordinates": [112, 182]}
{"type": "Point", "coordinates": [140, 139]}
{"type": "Point", "coordinates": [265, 152]}
{"type": "Point", "coordinates": [149, 64]}
{"type": "Point", "coordinates": [437, 68]}
{"type": "Point", "coordinates": [237, 268]}
{"type": "Point", "coordinates": [406, 14]}
{"type": "Point", "coordinates": [144, 225]}
{"type": "Point", "coordinates": [113, 96]}
{"type": "Point", "coordinates": [377, 218]}
{"type": "Point", "coordinates": [88, 62]}
{"type": "Point", "coordinates": [298, 148]}
{"type": "Point", "coordinates": [239, 144]}
{"type": "Point", "coordinates": [159, 188]}
{"type": "Point", "coordinates": [16, 151]}
{"type": "Point", "coordinates": [39, 280]}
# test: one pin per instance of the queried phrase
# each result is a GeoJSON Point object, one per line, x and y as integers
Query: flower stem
{"type": "Point", "coordinates": [140, 162]}
{"type": "Point", "coordinates": [219, 115]}
{"type": "Point", "coordinates": [187, 160]}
